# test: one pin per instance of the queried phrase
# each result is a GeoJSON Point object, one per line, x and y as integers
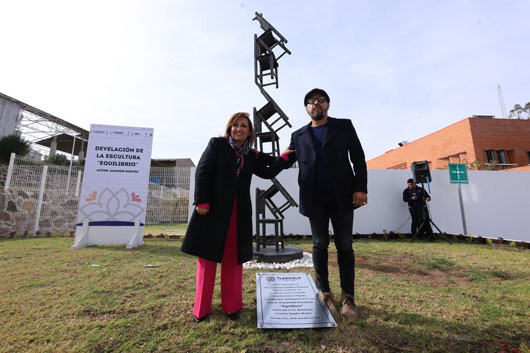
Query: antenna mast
{"type": "Point", "coordinates": [501, 101]}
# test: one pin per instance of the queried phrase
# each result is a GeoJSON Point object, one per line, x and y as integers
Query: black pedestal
{"type": "Point", "coordinates": [270, 254]}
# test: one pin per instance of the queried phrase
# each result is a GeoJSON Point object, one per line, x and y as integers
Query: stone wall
{"type": "Point", "coordinates": [3, 176]}
{"type": "Point", "coordinates": [59, 212]}
{"type": "Point", "coordinates": [18, 212]}
{"type": "Point", "coordinates": [15, 211]}
{"type": "Point", "coordinates": [59, 209]}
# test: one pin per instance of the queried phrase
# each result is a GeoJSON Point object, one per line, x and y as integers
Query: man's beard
{"type": "Point", "coordinates": [318, 116]}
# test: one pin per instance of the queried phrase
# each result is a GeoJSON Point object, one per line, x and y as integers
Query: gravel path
{"type": "Point", "coordinates": [305, 261]}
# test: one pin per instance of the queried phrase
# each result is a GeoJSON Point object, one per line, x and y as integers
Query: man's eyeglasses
{"type": "Point", "coordinates": [320, 99]}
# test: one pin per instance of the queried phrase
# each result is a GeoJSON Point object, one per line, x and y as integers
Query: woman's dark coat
{"type": "Point", "coordinates": [216, 184]}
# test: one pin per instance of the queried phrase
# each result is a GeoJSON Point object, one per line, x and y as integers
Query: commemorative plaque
{"type": "Point", "coordinates": [290, 300]}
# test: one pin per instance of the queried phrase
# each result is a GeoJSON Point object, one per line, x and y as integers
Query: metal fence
{"type": "Point", "coordinates": [46, 197]}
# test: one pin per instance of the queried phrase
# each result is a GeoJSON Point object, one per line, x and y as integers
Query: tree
{"type": "Point", "coordinates": [476, 165]}
{"type": "Point", "coordinates": [58, 159]}
{"type": "Point", "coordinates": [13, 144]}
{"type": "Point", "coordinates": [520, 112]}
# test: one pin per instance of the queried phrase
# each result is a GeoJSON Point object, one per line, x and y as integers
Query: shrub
{"type": "Point", "coordinates": [58, 159]}
{"type": "Point", "coordinates": [13, 144]}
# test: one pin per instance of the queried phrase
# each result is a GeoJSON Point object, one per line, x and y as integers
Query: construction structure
{"type": "Point", "coordinates": [482, 142]}
{"type": "Point", "coordinates": [46, 133]}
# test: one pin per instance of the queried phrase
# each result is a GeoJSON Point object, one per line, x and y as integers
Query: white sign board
{"type": "Point", "coordinates": [115, 186]}
{"type": "Point", "coordinates": [290, 300]}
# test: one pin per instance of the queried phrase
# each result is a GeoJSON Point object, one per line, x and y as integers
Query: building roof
{"type": "Point", "coordinates": [172, 162]}
{"type": "Point", "coordinates": [82, 132]}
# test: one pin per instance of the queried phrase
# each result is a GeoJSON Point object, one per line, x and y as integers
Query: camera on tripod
{"type": "Point", "coordinates": [422, 174]}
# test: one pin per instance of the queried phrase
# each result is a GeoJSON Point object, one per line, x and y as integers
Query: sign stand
{"type": "Point", "coordinates": [113, 200]}
{"type": "Point", "coordinates": [137, 236]}
{"type": "Point", "coordinates": [81, 236]}
{"type": "Point", "coordinates": [462, 208]}
{"type": "Point", "coordinates": [458, 175]}
{"type": "Point", "coordinates": [131, 235]}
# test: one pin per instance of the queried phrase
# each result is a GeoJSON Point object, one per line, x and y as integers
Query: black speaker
{"type": "Point", "coordinates": [420, 171]}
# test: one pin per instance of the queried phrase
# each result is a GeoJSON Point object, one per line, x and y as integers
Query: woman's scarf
{"type": "Point", "coordinates": [240, 152]}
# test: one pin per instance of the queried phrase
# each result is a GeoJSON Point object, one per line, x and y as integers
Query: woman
{"type": "Point", "coordinates": [220, 229]}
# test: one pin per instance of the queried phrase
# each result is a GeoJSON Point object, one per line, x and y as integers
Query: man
{"type": "Point", "coordinates": [416, 198]}
{"type": "Point", "coordinates": [329, 189]}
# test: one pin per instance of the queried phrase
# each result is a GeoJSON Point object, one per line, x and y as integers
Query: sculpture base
{"type": "Point", "coordinates": [269, 254]}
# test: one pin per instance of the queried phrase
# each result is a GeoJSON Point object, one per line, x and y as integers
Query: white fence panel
{"type": "Point", "coordinates": [496, 203]}
{"type": "Point", "coordinates": [167, 204]}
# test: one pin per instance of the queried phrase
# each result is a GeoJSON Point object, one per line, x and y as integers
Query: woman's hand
{"type": "Point", "coordinates": [202, 211]}
{"type": "Point", "coordinates": [287, 151]}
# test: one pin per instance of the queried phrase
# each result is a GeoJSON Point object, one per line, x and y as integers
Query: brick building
{"type": "Point", "coordinates": [479, 138]}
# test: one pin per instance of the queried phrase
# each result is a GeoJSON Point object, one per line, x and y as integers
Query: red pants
{"type": "Point", "coordinates": [231, 276]}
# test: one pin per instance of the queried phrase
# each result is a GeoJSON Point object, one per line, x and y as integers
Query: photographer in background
{"type": "Point", "coordinates": [416, 197]}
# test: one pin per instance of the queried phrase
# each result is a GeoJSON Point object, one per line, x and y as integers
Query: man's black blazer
{"type": "Point", "coordinates": [341, 145]}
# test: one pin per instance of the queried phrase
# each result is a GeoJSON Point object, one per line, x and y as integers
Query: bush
{"type": "Point", "coordinates": [61, 159]}
{"type": "Point", "coordinates": [58, 159]}
{"type": "Point", "coordinates": [13, 144]}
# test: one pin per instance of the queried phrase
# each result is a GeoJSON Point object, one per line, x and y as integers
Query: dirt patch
{"type": "Point", "coordinates": [407, 266]}
{"type": "Point", "coordinates": [279, 347]}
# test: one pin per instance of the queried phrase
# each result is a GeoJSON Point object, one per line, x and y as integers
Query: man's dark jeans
{"type": "Point", "coordinates": [322, 211]}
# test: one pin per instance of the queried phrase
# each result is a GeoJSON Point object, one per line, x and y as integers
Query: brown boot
{"type": "Point", "coordinates": [327, 298]}
{"type": "Point", "coordinates": [348, 306]}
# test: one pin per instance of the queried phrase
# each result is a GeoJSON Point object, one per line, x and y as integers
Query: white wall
{"type": "Point", "coordinates": [9, 117]}
{"type": "Point", "coordinates": [496, 203]}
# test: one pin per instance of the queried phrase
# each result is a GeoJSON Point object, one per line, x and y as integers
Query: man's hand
{"type": "Point", "coordinates": [202, 211]}
{"type": "Point", "coordinates": [360, 199]}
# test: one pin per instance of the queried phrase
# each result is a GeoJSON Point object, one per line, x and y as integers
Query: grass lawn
{"type": "Point", "coordinates": [413, 297]}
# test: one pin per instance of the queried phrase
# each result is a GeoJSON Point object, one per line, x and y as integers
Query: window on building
{"type": "Point", "coordinates": [510, 156]}
{"type": "Point", "coordinates": [490, 155]}
{"type": "Point", "coordinates": [528, 152]}
{"type": "Point", "coordinates": [502, 156]}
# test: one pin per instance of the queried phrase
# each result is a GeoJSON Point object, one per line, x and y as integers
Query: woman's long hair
{"type": "Point", "coordinates": [251, 134]}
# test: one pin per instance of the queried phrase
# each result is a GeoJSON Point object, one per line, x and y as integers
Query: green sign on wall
{"type": "Point", "coordinates": [458, 173]}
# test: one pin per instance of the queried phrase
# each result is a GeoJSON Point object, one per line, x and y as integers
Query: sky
{"type": "Point", "coordinates": [399, 69]}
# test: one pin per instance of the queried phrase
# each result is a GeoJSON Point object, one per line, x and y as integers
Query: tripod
{"type": "Point", "coordinates": [427, 221]}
